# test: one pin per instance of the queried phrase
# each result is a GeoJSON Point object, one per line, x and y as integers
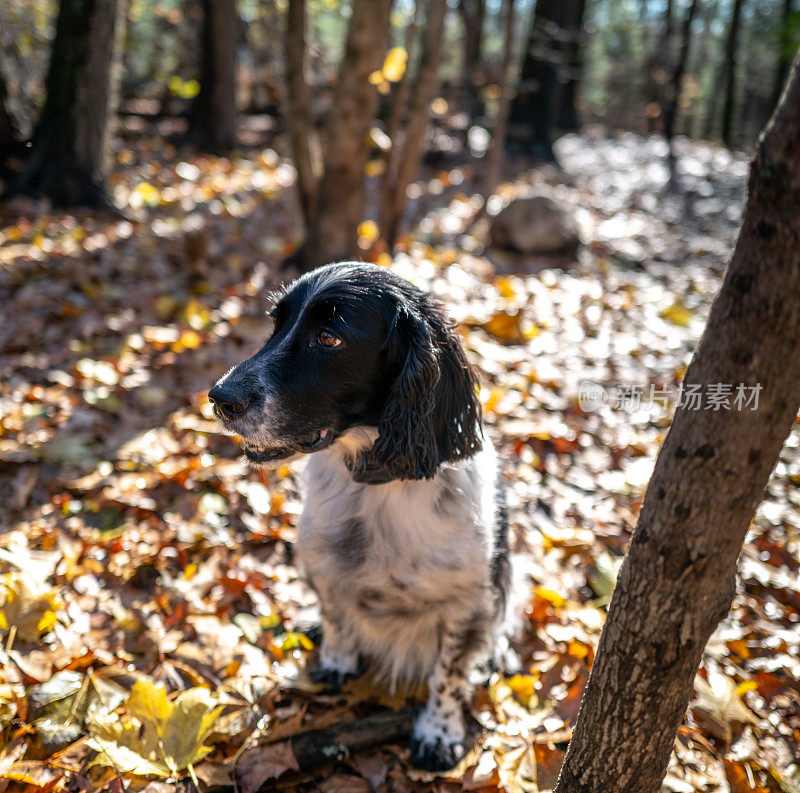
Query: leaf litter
{"type": "Point", "coordinates": [153, 626]}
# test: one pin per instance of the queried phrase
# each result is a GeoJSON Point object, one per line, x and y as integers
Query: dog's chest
{"type": "Point", "coordinates": [393, 550]}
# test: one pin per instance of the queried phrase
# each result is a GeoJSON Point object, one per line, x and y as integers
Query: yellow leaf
{"type": "Point", "coordinates": [368, 230]}
{"type": "Point", "coordinates": [294, 639]}
{"type": "Point", "coordinates": [376, 77]}
{"type": "Point", "coordinates": [490, 398]}
{"type": "Point", "coordinates": [29, 606]}
{"type": "Point", "coordinates": [677, 314]}
{"type": "Point", "coordinates": [506, 326]}
{"type": "Point", "coordinates": [523, 687]}
{"type": "Point", "coordinates": [747, 685]}
{"type": "Point", "coordinates": [551, 597]}
{"type": "Point", "coordinates": [160, 737]}
{"type": "Point", "coordinates": [394, 65]}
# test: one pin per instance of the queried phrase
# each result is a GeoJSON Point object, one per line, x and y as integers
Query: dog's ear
{"type": "Point", "coordinates": [433, 413]}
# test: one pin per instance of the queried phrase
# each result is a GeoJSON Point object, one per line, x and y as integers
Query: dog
{"type": "Point", "coordinates": [404, 532]}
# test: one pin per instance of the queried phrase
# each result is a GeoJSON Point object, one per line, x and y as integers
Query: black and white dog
{"type": "Point", "coordinates": [404, 530]}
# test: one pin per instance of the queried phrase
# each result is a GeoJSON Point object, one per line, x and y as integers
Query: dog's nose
{"type": "Point", "coordinates": [229, 401]}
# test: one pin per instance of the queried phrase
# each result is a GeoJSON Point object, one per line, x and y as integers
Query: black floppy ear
{"type": "Point", "coordinates": [433, 413]}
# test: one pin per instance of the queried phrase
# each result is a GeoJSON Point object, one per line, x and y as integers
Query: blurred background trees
{"type": "Point", "coordinates": [368, 92]}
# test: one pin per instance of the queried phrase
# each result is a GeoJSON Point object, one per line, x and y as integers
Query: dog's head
{"type": "Point", "coordinates": [355, 346]}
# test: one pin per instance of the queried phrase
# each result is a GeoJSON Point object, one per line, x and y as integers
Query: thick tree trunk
{"type": "Point", "coordinates": [494, 159]}
{"type": "Point", "coordinates": [567, 120]}
{"type": "Point", "coordinates": [545, 70]}
{"type": "Point", "coordinates": [212, 122]}
{"type": "Point", "coordinates": [302, 135]}
{"type": "Point", "coordinates": [69, 159]}
{"type": "Point", "coordinates": [730, 73]}
{"type": "Point", "coordinates": [340, 197]}
{"type": "Point", "coordinates": [676, 83]}
{"type": "Point", "coordinates": [678, 578]}
{"type": "Point", "coordinates": [785, 50]}
{"type": "Point", "coordinates": [418, 111]}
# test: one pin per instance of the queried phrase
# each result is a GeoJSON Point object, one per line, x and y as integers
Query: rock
{"type": "Point", "coordinates": [535, 225]}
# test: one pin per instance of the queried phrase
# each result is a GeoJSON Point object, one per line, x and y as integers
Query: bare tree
{"type": "Point", "coordinates": [730, 72]}
{"type": "Point", "coordinates": [10, 142]}
{"type": "Point", "coordinates": [69, 159]}
{"type": "Point", "coordinates": [302, 135]}
{"type": "Point", "coordinates": [676, 81]}
{"type": "Point", "coordinates": [473, 17]}
{"type": "Point", "coordinates": [494, 159]}
{"type": "Point", "coordinates": [418, 112]}
{"type": "Point", "coordinates": [212, 121]}
{"type": "Point", "coordinates": [545, 69]}
{"type": "Point", "coordinates": [339, 205]}
{"type": "Point", "coordinates": [567, 118]}
{"type": "Point", "coordinates": [678, 578]}
{"type": "Point", "coordinates": [655, 79]}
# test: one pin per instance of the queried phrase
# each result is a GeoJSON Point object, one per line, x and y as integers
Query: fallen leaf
{"type": "Point", "coordinates": [258, 765]}
{"type": "Point", "coordinates": [162, 737]}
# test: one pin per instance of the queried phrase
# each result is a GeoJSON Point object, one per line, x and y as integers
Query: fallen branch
{"type": "Point", "coordinates": [309, 750]}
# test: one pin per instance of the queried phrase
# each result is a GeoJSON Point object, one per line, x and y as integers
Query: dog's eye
{"type": "Point", "coordinates": [327, 339]}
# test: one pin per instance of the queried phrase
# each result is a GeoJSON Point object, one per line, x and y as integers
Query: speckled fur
{"type": "Point", "coordinates": [404, 531]}
{"type": "Point", "coordinates": [412, 577]}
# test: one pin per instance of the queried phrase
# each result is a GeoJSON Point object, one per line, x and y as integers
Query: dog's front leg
{"type": "Point", "coordinates": [338, 656]}
{"type": "Point", "coordinates": [438, 738]}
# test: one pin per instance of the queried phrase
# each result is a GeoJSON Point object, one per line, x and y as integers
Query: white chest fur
{"type": "Point", "coordinates": [394, 562]}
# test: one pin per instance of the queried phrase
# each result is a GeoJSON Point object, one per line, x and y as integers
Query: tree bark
{"type": "Point", "coordinates": [340, 197]}
{"type": "Point", "coordinates": [494, 159]}
{"type": "Point", "coordinates": [69, 159]}
{"type": "Point", "coordinates": [535, 109]}
{"type": "Point", "coordinates": [678, 578]}
{"type": "Point", "coordinates": [473, 17]}
{"type": "Point", "coordinates": [730, 73]}
{"type": "Point", "coordinates": [302, 135]}
{"type": "Point", "coordinates": [567, 120]}
{"type": "Point", "coordinates": [212, 121]}
{"type": "Point", "coordinates": [676, 83]}
{"type": "Point", "coordinates": [9, 134]}
{"type": "Point", "coordinates": [425, 85]}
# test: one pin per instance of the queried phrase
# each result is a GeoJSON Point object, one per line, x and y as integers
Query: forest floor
{"type": "Point", "coordinates": [138, 550]}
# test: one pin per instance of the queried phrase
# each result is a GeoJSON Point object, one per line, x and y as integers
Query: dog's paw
{"type": "Point", "coordinates": [438, 739]}
{"type": "Point", "coordinates": [330, 676]}
{"type": "Point", "coordinates": [435, 755]}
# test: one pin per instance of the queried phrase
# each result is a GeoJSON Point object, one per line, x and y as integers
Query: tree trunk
{"type": "Point", "coordinates": [473, 16]}
{"type": "Point", "coordinates": [425, 85]}
{"type": "Point", "coordinates": [658, 55]}
{"type": "Point", "coordinates": [395, 130]}
{"type": "Point", "coordinates": [535, 108]}
{"type": "Point", "coordinates": [785, 50]}
{"type": "Point", "coordinates": [730, 73]}
{"type": "Point", "coordinates": [678, 578]}
{"type": "Point", "coordinates": [494, 159]}
{"type": "Point", "coordinates": [302, 135]}
{"type": "Point", "coordinates": [212, 122]}
{"type": "Point", "coordinates": [340, 197]}
{"type": "Point", "coordinates": [69, 160]}
{"type": "Point", "coordinates": [567, 120]}
{"type": "Point", "coordinates": [10, 140]}
{"type": "Point", "coordinates": [676, 83]}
